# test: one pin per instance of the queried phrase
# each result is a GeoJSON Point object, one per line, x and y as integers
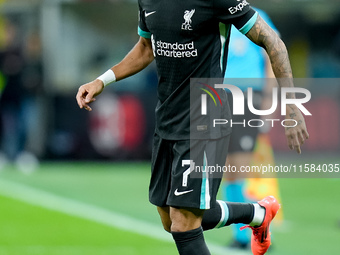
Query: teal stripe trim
{"type": "Point", "coordinates": [245, 29]}
{"type": "Point", "coordinates": [205, 196]}
{"type": "Point", "coordinates": [225, 214]}
{"type": "Point", "coordinates": [144, 34]}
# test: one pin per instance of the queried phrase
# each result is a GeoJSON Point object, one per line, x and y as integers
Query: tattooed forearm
{"type": "Point", "coordinates": [264, 36]}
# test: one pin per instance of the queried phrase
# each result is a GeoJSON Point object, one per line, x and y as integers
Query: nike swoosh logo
{"type": "Point", "coordinates": [179, 193]}
{"type": "Point", "coordinates": [149, 13]}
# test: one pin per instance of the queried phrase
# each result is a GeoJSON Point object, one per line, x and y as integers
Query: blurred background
{"type": "Point", "coordinates": [48, 48]}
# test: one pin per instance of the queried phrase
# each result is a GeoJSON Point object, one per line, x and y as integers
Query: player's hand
{"type": "Point", "coordinates": [87, 93]}
{"type": "Point", "coordinates": [297, 135]}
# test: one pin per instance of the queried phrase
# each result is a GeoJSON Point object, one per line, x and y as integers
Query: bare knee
{"type": "Point", "coordinates": [185, 219]}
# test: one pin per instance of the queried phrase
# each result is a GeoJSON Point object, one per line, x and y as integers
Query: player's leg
{"type": "Point", "coordinates": [187, 232]}
{"type": "Point", "coordinates": [181, 192]}
{"type": "Point", "coordinates": [257, 215]}
{"type": "Point", "coordinates": [259, 221]}
{"type": "Point", "coordinates": [185, 226]}
{"type": "Point", "coordinates": [166, 187]}
{"type": "Point", "coordinates": [184, 223]}
{"type": "Point", "coordinates": [190, 195]}
{"type": "Point", "coordinates": [227, 213]}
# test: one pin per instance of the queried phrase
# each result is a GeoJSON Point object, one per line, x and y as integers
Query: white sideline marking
{"type": "Point", "coordinates": [76, 208]}
{"type": "Point", "coordinates": [79, 209]}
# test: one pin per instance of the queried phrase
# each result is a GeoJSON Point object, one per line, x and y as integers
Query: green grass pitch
{"type": "Point", "coordinates": [311, 212]}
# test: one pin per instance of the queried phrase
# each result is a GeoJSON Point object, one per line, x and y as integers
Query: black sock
{"type": "Point", "coordinates": [240, 213]}
{"type": "Point", "coordinates": [216, 217]}
{"type": "Point", "coordinates": [191, 242]}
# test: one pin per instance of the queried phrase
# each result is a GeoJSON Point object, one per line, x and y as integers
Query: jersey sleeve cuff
{"type": "Point", "coordinates": [245, 29]}
{"type": "Point", "coordinates": [143, 33]}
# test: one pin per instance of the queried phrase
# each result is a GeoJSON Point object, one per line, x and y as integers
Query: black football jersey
{"type": "Point", "coordinates": [187, 43]}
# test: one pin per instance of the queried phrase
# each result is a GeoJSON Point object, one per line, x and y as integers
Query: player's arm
{"type": "Point", "coordinates": [263, 35]}
{"type": "Point", "coordinates": [269, 85]}
{"type": "Point", "coordinates": [136, 60]}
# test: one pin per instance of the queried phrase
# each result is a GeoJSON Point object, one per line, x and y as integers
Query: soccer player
{"type": "Point", "coordinates": [183, 37]}
{"type": "Point", "coordinates": [245, 60]}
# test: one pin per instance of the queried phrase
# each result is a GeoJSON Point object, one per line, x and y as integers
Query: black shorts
{"type": "Point", "coordinates": [243, 138]}
{"type": "Point", "coordinates": [179, 172]}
